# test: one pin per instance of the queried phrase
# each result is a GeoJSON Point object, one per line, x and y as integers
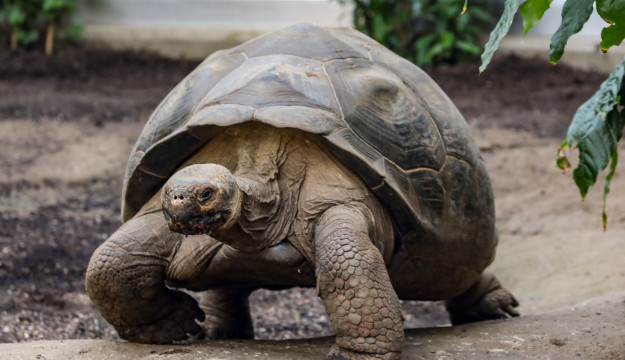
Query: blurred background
{"type": "Point", "coordinates": [78, 79]}
{"type": "Point", "coordinates": [192, 29]}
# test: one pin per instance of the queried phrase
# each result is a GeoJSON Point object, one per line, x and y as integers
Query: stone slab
{"type": "Point", "coordinates": [594, 329]}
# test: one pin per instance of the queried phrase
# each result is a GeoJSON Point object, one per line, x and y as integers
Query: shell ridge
{"type": "Point", "coordinates": [287, 55]}
{"type": "Point", "coordinates": [423, 168]}
{"type": "Point", "coordinates": [144, 169]}
{"type": "Point", "coordinates": [459, 159]}
{"type": "Point", "coordinates": [428, 113]}
{"type": "Point", "coordinates": [201, 100]}
{"type": "Point", "coordinates": [215, 104]}
{"type": "Point", "coordinates": [336, 98]}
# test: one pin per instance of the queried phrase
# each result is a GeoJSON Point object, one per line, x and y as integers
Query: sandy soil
{"type": "Point", "coordinates": [67, 125]}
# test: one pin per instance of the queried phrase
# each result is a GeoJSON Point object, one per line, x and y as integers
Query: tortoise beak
{"type": "Point", "coordinates": [194, 225]}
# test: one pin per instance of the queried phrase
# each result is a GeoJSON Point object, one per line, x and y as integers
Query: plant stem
{"type": "Point", "coordinates": [13, 40]}
{"type": "Point", "coordinates": [50, 38]}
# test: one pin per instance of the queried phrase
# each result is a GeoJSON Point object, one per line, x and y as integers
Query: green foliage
{"type": "Point", "coordinates": [21, 17]}
{"type": "Point", "coordinates": [26, 19]}
{"type": "Point", "coordinates": [598, 124]}
{"type": "Point", "coordinates": [55, 10]}
{"type": "Point", "coordinates": [501, 29]}
{"type": "Point", "coordinates": [73, 33]}
{"type": "Point", "coordinates": [426, 32]}
{"type": "Point", "coordinates": [574, 16]}
{"type": "Point", "coordinates": [597, 127]}
{"type": "Point", "coordinates": [533, 11]}
{"type": "Point", "coordinates": [612, 11]}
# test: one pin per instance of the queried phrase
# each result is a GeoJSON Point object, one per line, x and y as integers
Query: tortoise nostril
{"type": "Point", "coordinates": [177, 198]}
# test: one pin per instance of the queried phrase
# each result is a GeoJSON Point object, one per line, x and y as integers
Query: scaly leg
{"type": "Point", "coordinates": [355, 288]}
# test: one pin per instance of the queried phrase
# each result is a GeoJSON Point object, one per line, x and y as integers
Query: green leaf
{"type": "Point", "coordinates": [53, 9]}
{"type": "Point", "coordinates": [608, 9]}
{"type": "Point", "coordinates": [612, 35]}
{"type": "Point", "coordinates": [379, 28]}
{"type": "Point", "coordinates": [15, 16]}
{"type": "Point", "coordinates": [464, 7]}
{"type": "Point", "coordinates": [596, 149]}
{"type": "Point", "coordinates": [501, 29]}
{"type": "Point", "coordinates": [562, 161]}
{"type": "Point", "coordinates": [74, 33]}
{"type": "Point", "coordinates": [468, 47]}
{"type": "Point", "coordinates": [613, 12]}
{"type": "Point", "coordinates": [533, 11]}
{"type": "Point", "coordinates": [600, 103]}
{"type": "Point", "coordinates": [27, 37]}
{"type": "Point", "coordinates": [575, 13]}
{"type": "Point", "coordinates": [597, 125]}
{"type": "Point", "coordinates": [462, 22]}
{"type": "Point", "coordinates": [437, 49]}
{"type": "Point", "coordinates": [482, 15]}
{"type": "Point", "coordinates": [422, 46]}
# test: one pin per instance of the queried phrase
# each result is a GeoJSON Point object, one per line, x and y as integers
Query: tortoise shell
{"type": "Point", "coordinates": [380, 115]}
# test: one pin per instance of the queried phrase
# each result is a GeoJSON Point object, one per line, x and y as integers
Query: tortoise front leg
{"type": "Point", "coordinates": [125, 281]}
{"type": "Point", "coordinates": [355, 288]}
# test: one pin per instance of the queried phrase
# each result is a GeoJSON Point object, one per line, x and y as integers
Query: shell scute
{"type": "Point", "coordinates": [453, 130]}
{"type": "Point", "coordinates": [304, 40]}
{"type": "Point", "coordinates": [385, 113]}
{"type": "Point", "coordinates": [276, 80]}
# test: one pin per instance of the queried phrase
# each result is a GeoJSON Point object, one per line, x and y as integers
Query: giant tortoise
{"type": "Point", "coordinates": [306, 157]}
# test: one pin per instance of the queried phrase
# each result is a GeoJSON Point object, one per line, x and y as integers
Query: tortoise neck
{"type": "Point", "coordinates": [246, 229]}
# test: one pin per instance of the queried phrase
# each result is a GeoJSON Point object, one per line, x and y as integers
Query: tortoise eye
{"type": "Point", "coordinates": [206, 195]}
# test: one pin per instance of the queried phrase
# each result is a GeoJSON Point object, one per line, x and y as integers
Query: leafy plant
{"type": "Point", "coordinates": [425, 32]}
{"type": "Point", "coordinates": [57, 11]}
{"type": "Point", "coordinates": [26, 19]}
{"type": "Point", "coordinates": [597, 126]}
{"type": "Point", "coordinates": [21, 17]}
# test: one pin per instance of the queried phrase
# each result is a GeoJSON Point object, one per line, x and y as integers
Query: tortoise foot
{"type": "Point", "coordinates": [339, 353]}
{"type": "Point", "coordinates": [486, 300]}
{"type": "Point", "coordinates": [178, 326]}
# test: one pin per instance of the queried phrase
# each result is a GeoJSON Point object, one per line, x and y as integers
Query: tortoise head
{"type": "Point", "coordinates": [201, 199]}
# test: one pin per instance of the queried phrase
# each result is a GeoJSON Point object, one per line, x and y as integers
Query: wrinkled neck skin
{"type": "Point", "coordinates": [246, 230]}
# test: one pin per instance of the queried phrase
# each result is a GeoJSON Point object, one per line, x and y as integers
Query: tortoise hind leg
{"type": "Point", "coordinates": [485, 300]}
{"type": "Point", "coordinates": [227, 313]}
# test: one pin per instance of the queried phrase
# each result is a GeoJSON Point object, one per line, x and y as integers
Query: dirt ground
{"type": "Point", "coordinates": [67, 124]}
